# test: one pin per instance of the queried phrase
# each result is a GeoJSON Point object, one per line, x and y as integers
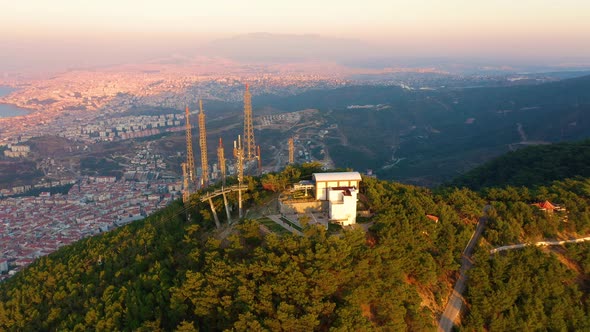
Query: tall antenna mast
{"type": "Point", "coordinates": [185, 182]}
{"type": "Point", "coordinates": [239, 154]}
{"type": "Point", "coordinates": [186, 195]}
{"type": "Point", "coordinates": [221, 160]}
{"type": "Point", "coordinates": [190, 158]}
{"type": "Point", "coordinates": [250, 148]}
{"type": "Point", "coordinates": [203, 145]}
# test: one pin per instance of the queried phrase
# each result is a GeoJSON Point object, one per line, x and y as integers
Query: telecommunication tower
{"type": "Point", "coordinates": [185, 182]}
{"type": "Point", "coordinates": [221, 160]}
{"type": "Point", "coordinates": [190, 158]}
{"type": "Point", "coordinates": [291, 151]}
{"type": "Point", "coordinates": [250, 148]}
{"type": "Point", "coordinates": [239, 154]}
{"type": "Point", "coordinates": [186, 194]}
{"type": "Point", "coordinates": [203, 145]}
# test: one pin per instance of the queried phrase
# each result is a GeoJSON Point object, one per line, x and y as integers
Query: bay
{"type": "Point", "coordinates": [8, 110]}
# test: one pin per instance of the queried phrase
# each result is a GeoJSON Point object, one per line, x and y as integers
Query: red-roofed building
{"type": "Point", "coordinates": [547, 206]}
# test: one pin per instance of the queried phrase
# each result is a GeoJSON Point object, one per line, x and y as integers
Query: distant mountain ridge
{"type": "Point", "coordinates": [264, 46]}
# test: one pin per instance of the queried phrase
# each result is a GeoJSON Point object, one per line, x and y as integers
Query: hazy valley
{"type": "Point", "coordinates": [458, 191]}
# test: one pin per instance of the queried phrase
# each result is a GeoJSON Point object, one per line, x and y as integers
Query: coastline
{"type": "Point", "coordinates": [9, 110]}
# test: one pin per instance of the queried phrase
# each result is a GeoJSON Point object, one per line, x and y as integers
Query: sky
{"type": "Point", "coordinates": [38, 33]}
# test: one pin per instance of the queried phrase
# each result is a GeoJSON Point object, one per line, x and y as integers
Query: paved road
{"type": "Point", "coordinates": [456, 300]}
{"type": "Point", "coordinates": [538, 244]}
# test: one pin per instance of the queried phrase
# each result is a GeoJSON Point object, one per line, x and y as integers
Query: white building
{"type": "Point", "coordinates": [340, 189]}
{"type": "Point", "coordinates": [324, 181]}
{"type": "Point", "coordinates": [342, 206]}
{"type": "Point", "coordinates": [17, 151]}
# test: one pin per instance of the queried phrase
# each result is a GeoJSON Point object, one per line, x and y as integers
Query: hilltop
{"type": "Point", "coordinates": [166, 272]}
{"type": "Point", "coordinates": [395, 273]}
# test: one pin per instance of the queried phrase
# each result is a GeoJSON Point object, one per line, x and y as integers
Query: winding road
{"type": "Point", "coordinates": [538, 244]}
{"type": "Point", "coordinates": [456, 300]}
{"type": "Point", "coordinates": [455, 303]}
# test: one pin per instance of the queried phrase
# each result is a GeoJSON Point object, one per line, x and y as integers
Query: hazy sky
{"type": "Point", "coordinates": [38, 32]}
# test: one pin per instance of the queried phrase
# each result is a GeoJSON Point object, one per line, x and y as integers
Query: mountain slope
{"type": "Point", "coordinates": [531, 166]}
{"type": "Point", "coordinates": [166, 273]}
{"type": "Point", "coordinates": [428, 137]}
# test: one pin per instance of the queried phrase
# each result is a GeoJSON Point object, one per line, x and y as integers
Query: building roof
{"type": "Point", "coordinates": [337, 176]}
{"type": "Point", "coordinates": [546, 205]}
{"type": "Point", "coordinates": [432, 217]}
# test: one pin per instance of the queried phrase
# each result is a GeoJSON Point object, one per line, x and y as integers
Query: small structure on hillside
{"type": "Point", "coordinates": [548, 206]}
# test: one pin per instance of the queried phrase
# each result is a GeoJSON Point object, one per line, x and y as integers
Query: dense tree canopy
{"type": "Point", "coordinates": [393, 272]}
{"type": "Point", "coordinates": [526, 290]}
{"type": "Point", "coordinates": [167, 273]}
{"type": "Point", "coordinates": [531, 166]}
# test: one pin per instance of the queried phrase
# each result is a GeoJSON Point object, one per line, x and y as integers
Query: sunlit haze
{"type": "Point", "coordinates": [38, 33]}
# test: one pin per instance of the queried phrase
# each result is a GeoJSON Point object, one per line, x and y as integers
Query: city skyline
{"type": "Point", "coordinates": [36, 34]}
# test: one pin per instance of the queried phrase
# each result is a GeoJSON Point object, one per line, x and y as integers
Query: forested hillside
{"type": "Point", "coordinates": [165, 273]}
{"type": "Point", "coordinates": [395, 272]}
{"type": "Point", "coordinates": [531, 166]}
{"type": "Point", "coordinates": [529, 290]}
{"type": "Point", "coordinates": [532, 288]}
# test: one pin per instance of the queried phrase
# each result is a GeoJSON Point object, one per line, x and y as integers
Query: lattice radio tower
{"type": "Point", "coordinates": [185, 195]}
{"type": "Point", "coordinates": [203, 145]}
{"type": "Point", "coordinates": [239, 155]}
{"type": "Point", "coordinates": [190, 158]}
{"type": "Point", "coordinates": [221, 160]}
{"type": "Point", "coordinates": [250, 144]}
